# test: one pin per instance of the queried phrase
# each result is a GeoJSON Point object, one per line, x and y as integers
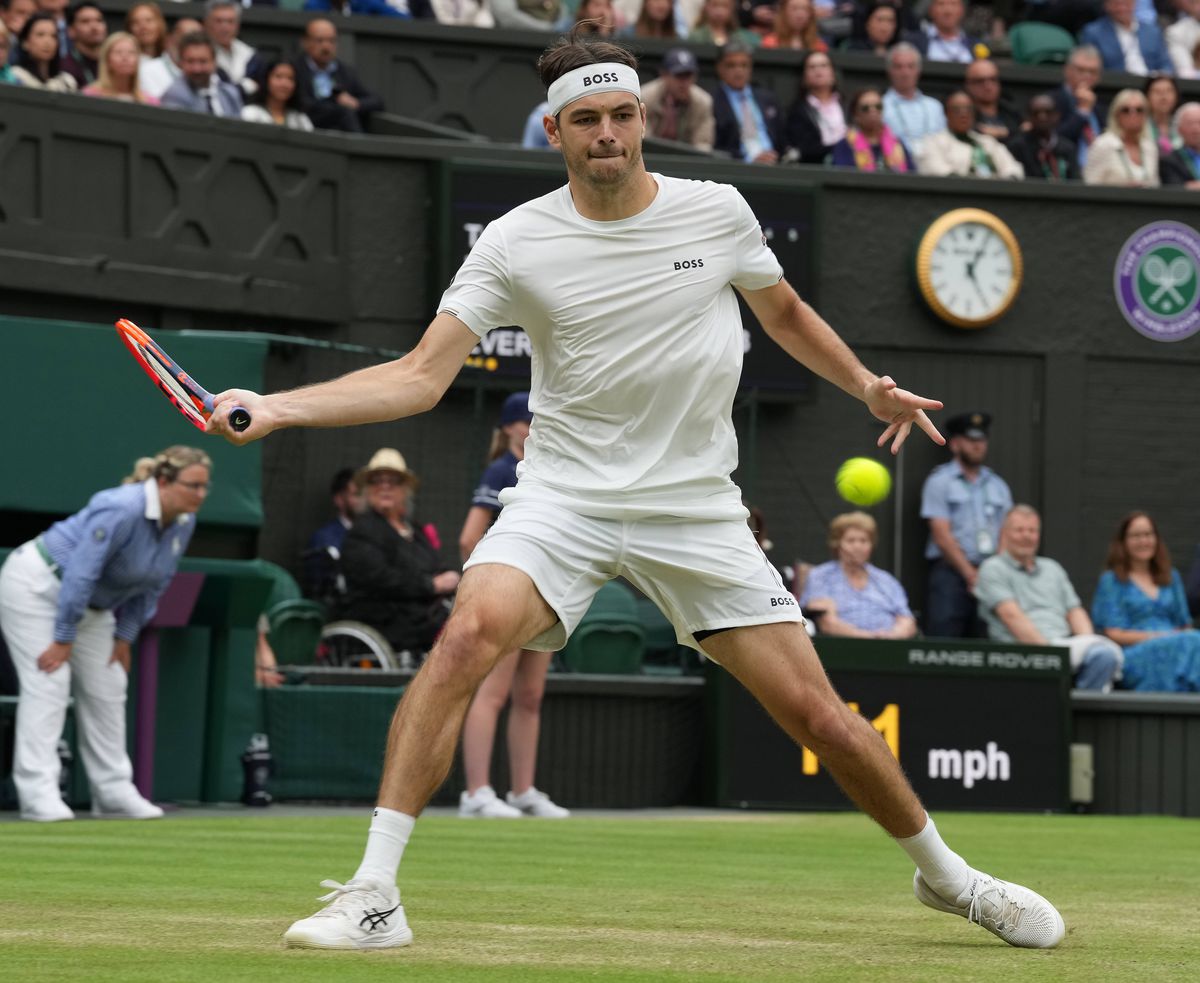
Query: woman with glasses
{"type": "Point", "coordinates": [72, 602]}
{"type": "Point", "coordinates": [1125, 154]}
{"type": "Point", "coordinates": [869, 145]}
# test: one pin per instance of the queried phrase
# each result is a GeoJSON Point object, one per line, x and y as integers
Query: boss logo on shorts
{"type": "Point", "coordinates": [783, 602]}
{"type": "Point", "coordinates": [689, 264]}
{"type": "Point", "coordinates": [600, 77]}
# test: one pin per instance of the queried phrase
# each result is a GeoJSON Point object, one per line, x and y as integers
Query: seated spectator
{"type": "Point", "coordinates": [58, 8]}
{"type": "Point", "coordinates": [596, 18]}
{"type": "Point", "coordinates": [1183, 40]}
{"type": "Point", "coordinates": [1081, 114]}
{"type": "Point", "coordinates": [816, 120]}
{"type": "Point", "coordinates": [908, 112]}
{"type": "Point", "coordinates": [235, 58]}
{"type": "Point", "coordinates": [370, 8]}
{"type": "Point", "coordinates": [1181, 168]}
{"type": "Point", "coordinates": [156, 75]}
{"type": "Point", "coordinates": [325, 545]}
{"type": "Point", "coordinates": [1124, 155]}
{"type": "Point", "coordinates": [656, 19]}
{"type": "Point", "coordinates": [14, 14]}
{"type": "Point", "coordinates": [534, 135]}
{"type": "Point", "coordinates": [39, 65]}
{"type": "Point", "coordinates": [959, 151]}
{"type": "Point", "coordinates": [1140, 605]}
{"type": "Point", "coordinates": [1125, 43]}
{"type": "Point", "coordinates": [276, 100]}
{"type": "Point", "coordinates": [331, 94]}
{"type": "Point", "coordinates": [676, 107]}
{"type": "Point", "coordinates": [848, 596]}
{"type": "Point", "coordinates": [119, 71]}
{"type": "Point", "coordinates": [86, 31]}
{"type": "Point", "coordinates": [6, 75]}
{"type": "Point", "coordinates": [747, 121]}
{"type": "Point", "coordinates": [145, 22]}
{"type": "Point", "coordinates": [1040, 149]}
{"type": "Point", "coordinates": [994, 115]}
{"type": "Point", "coordinates": [528, 15]}
{"type": "Point", "coordinates": [944, 39]}
{"type": "Point", "coordinates": [795, 27]}
{"type": "Point", "coordinates": [201, 89]}
{"type": "Point", "coordinates": [1028, 598]}
{"type": "Point", "coordinates": [395, 580]}
{"type": "Point", "coordinates": [718, 24]}
{"type": "Point", "coordinates": [879, 30]}
{"type": "Point", "coordinates": [869, 145]}
{"type": "Point", "coordinates": [1162, 99]}
{"type": "Point", "coordinates": [463, 13]}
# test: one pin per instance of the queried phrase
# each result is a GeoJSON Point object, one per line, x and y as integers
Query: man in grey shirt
{"type": "Point", "coordinates": [1028, 598]}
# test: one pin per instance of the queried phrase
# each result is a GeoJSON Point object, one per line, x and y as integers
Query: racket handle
{"type": "Point", "coordinates": [239, 418]}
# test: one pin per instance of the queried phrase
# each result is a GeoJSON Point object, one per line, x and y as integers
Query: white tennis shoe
{"type": "Point", "coordinates": [1013, 913]}
{"type": "Point", "coordinates": [484, 803]}
{"type": "Point", "coordinates": [129, 806]}
{"type": "Point", "coordinates": [360, 915]}
{"type": "Point", "coordinates": [531, 802]}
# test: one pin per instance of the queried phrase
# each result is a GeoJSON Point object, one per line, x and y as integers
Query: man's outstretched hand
{"type": "Point", "coordinates": [900, 409]}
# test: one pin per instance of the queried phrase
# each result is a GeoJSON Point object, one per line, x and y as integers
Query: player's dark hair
{"type": "Point", "coordinates": [1118, 555]}
{"type": "Point", "coordinates": [341, 480]}
{"type": "Point", "coordinates": [574, 50]}
{"type": "Point", "coordinates": [196, 39]}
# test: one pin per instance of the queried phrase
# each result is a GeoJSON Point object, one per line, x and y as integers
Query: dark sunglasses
{"type": "Point", "coordinates": [869, 107]}
{"type": "Point", "coordinates": [1139, 110]}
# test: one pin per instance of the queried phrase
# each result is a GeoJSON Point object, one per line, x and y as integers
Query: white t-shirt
{"type": "Point", "coordinates": [637, 344]}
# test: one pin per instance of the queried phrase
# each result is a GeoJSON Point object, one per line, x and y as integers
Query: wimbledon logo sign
{"type": "Point", "coordinates": [1157, 281]}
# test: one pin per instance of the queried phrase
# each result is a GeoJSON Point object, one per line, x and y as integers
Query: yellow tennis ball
{"type": "Point", "coordinates": [863, 481]}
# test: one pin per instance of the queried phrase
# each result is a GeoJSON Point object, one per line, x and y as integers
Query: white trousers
{"type": "Point", "coordinates": [28, 603]}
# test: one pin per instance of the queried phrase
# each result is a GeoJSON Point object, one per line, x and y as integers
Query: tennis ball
{"type": "Point", "coordinates": [863, 481]}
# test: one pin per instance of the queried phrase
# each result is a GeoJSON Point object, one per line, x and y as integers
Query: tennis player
{"type": "Point", "coordinates": [624, 281]}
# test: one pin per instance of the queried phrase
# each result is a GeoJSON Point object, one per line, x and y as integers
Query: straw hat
{"type": "Point", "coordinates": [386, 459]}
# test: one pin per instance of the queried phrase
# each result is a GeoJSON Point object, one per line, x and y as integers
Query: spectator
{"type": "Point", "coordinates": [1181, 168]}
{"type": "Point", "coordinates": [527, 15]}
{"type": "Point", "coordinates": [463, 13]}
{"type": "Point", "coordinates": [1040, 149]}
{"type": "Point", "coordinates": [1183, 39]}
{"type": "Point", "coordinates": [965, 503]}
{"type": "Point", "coordinates": [961, 152]}
{"type": "Point", "coordinates": [878, 31]}
{"type": "Point", "coordinates": [850, 597]}
{"type": "Point", "coordinates": [119, 71]}
{"type": "Point", "coordinates": [156, 75]}
{"type": "Point", "coordinates": [59, 9]}
{"type": "Point", "coordinates": [1124, 155]}
{"type": "Point", "coordinates": [235, 58]}
{"type": "Point", "coordinates": [145, 22]}
{"type": "Point", "coordinates": [201, 89]}
{"type": "Point", "coordinates": [395, 580]}
{"type": "Point", "coordinates": [1028, 598]}
{"type": "Point", "coordinates": [718, 24]}
{"type": "Point", "coordinates": [908, 112]}
{"type": "Point", "coordinates": [14, 14]}
{"type": "Point", "coordinates": [816, 120]}
{"type": "Point", "coordinates": [521, 673]}
{"type": "Point", "coordinates": [676, 107]}
{"type": "Point", "coordinates": [795, 28]}
{"type": "Point", "coordinates": [39, 65]}
{"type": "Point", "coordinates": [1126, 44]}
{"type": "Point", "coordinates": [331, 93]}
{"type": "Point", "coordinates": [869, 145]}
{"type": "Point", "coordinates": [1162, 99]}
{"type": "Point", "coordinates": [994, 115]}
{"type": "Point", "coordinates": [943, 39]}
{"type": "Point", "coordinates": [276, 100]}
{"type": "Point", "coordinates": [656, 19]}
{"type": "Point", "coordinates": [1140, 605]}
{"type": "Point", "coordinates": [72, 603]}
{"type": "Point", "coordinates": [6, 75]}
{"type": "Point", "coordinates": [371, 8]}
{"type": "Point", "coordinates": [325, 545]}
{"type": "Point", "coordinates": [746, 117]}
{"type": "Point", "coordinates": [596, 18]}
{"type": "Point", "coordinates": [534, 136]}
{"type": "Point", "coordinates": [86, 31]}
{"type": "Point", "coordinates": [1080, 111]}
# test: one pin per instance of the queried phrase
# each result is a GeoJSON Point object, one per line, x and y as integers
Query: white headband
{"type": "Point", "coordinates": [606, 77]}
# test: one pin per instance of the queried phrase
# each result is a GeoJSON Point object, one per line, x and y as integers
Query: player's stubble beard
{"type": "Point", "coordinates": [605, 179]}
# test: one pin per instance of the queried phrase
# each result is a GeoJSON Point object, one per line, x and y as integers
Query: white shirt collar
{"type": "Point", "coordinates": [154, 504]}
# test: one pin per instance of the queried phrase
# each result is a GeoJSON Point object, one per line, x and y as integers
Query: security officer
{"type": "Point", "coordinates": [965, 503]}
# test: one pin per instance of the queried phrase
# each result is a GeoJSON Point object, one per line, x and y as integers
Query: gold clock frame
{"type": "Point", "coordinates": [928, 242]}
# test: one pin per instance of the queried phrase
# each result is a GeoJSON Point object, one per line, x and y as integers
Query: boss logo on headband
{"type": "Point", "coordinates": [600, 77]}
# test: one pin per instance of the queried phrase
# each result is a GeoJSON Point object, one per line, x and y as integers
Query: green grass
{"type": "Point", "coordinates": [748, 897]}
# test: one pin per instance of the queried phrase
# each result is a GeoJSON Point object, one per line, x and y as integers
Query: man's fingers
{"type": "Point", "coordinates": [926, 424]}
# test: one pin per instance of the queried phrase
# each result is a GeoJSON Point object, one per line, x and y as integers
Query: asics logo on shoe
{"type": "Point", "coordinates": [376, 918]}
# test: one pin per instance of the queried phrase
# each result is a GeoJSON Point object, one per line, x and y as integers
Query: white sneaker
{"type": "Point", "coordinates": [51, 811]}
{"type": "Point", "coordinates": [1011, 912]}
{"type": "Point", "coordinates": [531, 802]}
{"type": "Point", "coordinates": [360, 915]}
{"type": "Point", "coordinates": [484, 803]}
{"type": "Point", "coordinates": [130, 807]}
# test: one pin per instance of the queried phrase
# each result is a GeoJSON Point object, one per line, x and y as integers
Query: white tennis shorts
{"type": "Point", "coordinates": [704, 574]}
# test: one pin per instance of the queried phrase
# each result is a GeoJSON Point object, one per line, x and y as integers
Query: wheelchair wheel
{"type": "Point", "coordinates": [356, 645]}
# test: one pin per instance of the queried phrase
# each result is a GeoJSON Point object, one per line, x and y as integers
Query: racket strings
{"type": "Point", "coordinates": [174, 390]}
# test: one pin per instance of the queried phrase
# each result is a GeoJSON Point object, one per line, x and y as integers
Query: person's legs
{"type": "Point", "coordinates": [950, 609]}
{"type": "Point", "coordinates": [525, 718]}
{"type": "Point", "coordinates": [479, 727]}
{"type": "Point", "coordinates": [1099, 667]}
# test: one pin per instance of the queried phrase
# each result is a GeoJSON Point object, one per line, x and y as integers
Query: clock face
{"type": "Point", "coordinates": [969, 268]}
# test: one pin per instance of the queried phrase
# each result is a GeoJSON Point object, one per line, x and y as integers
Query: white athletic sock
{"type": "Point", "coordinates": [386, 840]}
{"type": "Point", "coordinates": [943, 869]}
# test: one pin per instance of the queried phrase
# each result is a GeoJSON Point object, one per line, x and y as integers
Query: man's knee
{"type": "Point", "coordinates": [829, 724]}
{"type": "Point", "coordinates": [527, 696]}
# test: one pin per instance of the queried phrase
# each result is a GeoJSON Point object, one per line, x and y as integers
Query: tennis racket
{"type": "Point", "coordinates": [192, 400]}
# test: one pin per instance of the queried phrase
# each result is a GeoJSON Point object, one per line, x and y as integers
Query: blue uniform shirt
{"type": "Point", "coordinates": [113, 554]}
{"type": "Point", "coordinates": [500, 474]}
{"type": "Point", "coordinates": [976, 509]}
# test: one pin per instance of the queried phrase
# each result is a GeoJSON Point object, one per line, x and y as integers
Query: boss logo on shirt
{"type": "Point", "coordinates": [689, 264]}
{"type": "Point", "coordinates": [783, 602]}
{"type": "Point", "coordinates": [600, 77]}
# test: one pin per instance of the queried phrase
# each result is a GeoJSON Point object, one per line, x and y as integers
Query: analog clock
{"type": "Point", "coordinates": [969, 268]}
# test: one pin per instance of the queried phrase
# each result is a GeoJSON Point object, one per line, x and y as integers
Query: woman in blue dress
{"type": "Point", "coordinates": [1140, 604]}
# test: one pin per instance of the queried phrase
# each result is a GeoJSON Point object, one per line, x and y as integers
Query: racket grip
{"type": "Point", "coordinates": [239, 418]}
